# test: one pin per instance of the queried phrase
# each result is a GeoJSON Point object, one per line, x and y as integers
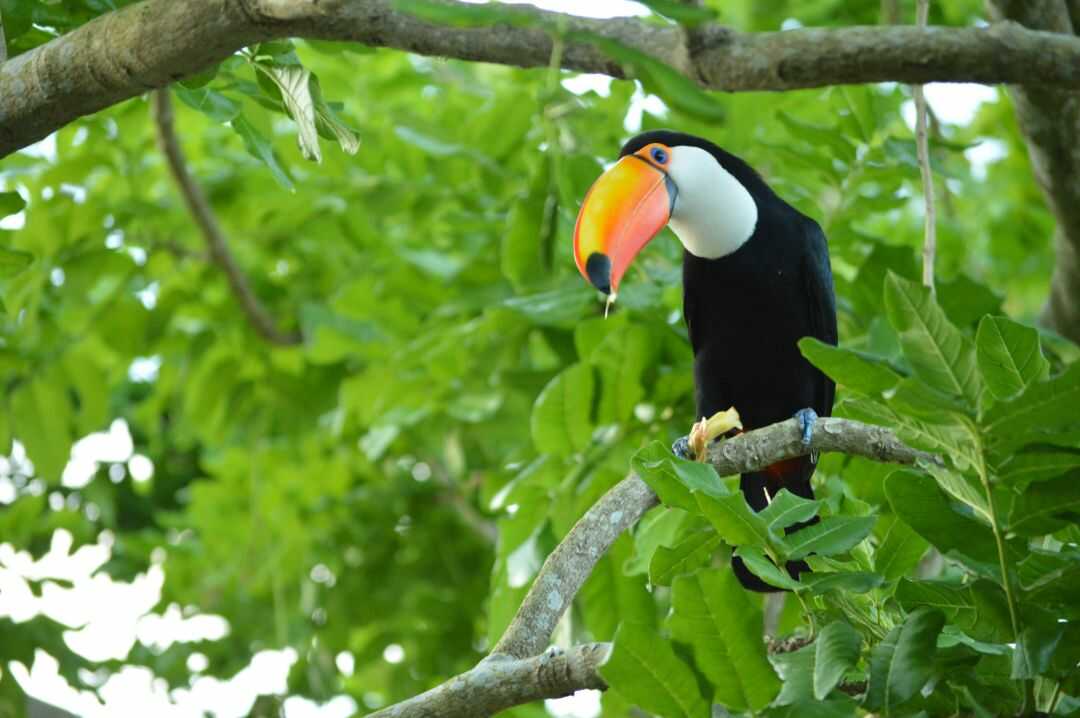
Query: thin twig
{"type": "Point", "coordinates": [454, 497]}
{"type": "Point", "coordinates": [1026, 685]}
{"type": "Point", "coordinates": [922, 147]}
{"type": "Point", "coordinates": [890, 12]}
{"type": "Point", "coordinates": [573, 560]}
{"type": "Point", "coordinates": [204, 217]}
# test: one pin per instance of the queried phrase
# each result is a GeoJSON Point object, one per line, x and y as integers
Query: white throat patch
{"type": "Point", "coordinates": [714, 213]}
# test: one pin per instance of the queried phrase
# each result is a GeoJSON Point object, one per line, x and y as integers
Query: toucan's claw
{"type": "Point", "coordinates": [695, 446]}
{"type": "Point", "coordinates": [807, 418]}
{"type": "Point", "coordinates": [681, 448]}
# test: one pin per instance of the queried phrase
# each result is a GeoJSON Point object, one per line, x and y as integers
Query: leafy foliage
{"type": "Point", "coordinates": [456, 376]}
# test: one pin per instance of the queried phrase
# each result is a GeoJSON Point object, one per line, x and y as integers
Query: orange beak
{"type": "Point", "coordinates": [624, 209]}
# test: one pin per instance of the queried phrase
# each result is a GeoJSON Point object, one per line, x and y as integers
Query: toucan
{"type": "Point", "coordinates": [756, 279]}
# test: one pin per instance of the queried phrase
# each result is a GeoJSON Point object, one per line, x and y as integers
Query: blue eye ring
{"type": "Point", "coordinates": [659, 155]}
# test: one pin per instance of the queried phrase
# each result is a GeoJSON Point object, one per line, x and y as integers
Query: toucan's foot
{"type": "Point", "coordinates": [807, 418]}
{"type": "Point", "coordinates": [681, 448]}
{"type": "Point", "coordinates": [695, 446]}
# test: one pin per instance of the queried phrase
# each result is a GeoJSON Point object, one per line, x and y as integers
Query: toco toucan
{"type": "Point", "coordinates": [756, 279]}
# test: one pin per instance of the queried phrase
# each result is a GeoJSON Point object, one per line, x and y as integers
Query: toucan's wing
{"type": "Point", "coordinates": [821, 305]}
{"type": "Point", "coordinates": [690, 308]}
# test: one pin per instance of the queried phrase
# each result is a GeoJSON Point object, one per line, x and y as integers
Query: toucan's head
{"type": "Point", "coordinates": [664, 178]}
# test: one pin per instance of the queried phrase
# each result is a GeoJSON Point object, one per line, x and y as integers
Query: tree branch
{"type": "Point", "coordinates": [1049, 119]}
{"type": "Point", "coordinates": [473, 693]}
{"type": "Point", "coordinates": [922, 149]}
{"type": "Point", "coordinates": [154, 42]}
{"type": "Point", "coordinates": [204, 217]}
{"type": "Point", "coordinates": [569, 565]}
{"type": "Point", "coordinates": [500, 682]}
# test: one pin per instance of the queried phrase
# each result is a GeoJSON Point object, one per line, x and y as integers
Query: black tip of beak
{"type": "Point", "coordinates": [598, 267]}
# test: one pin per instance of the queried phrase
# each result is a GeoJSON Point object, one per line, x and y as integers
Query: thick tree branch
{"type": "Point", "coordinates": [500, 682]}
{"type": "Point", "coordinates": [566, 569]}
{"type": "Point", "coordinates": [1049, 119]}
{"type": "Point", "coordinates": [155, 42]}
{"type": "Point", "coordinates": [203, 214]}
{"type": "Point", "coordinates": [569, 565]}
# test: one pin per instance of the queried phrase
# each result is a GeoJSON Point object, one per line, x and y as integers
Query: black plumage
{"type": "Point", "coordinates": [745, 313]}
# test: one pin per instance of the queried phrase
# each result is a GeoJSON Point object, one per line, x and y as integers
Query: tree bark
{"type": "Point", "coordinates": [155, 42]}
{"type": "Point", "coordinates": [1049, 119]}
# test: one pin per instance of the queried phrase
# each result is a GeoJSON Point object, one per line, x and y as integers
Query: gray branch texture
{"type": "Point", "coordinates": [155, 42]}
{"type": "Point", "coordinates": [1049, 119]}
{"type": "Point", "coordinates": [520, 670]}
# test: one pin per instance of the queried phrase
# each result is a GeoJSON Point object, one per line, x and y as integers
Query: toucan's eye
{"type": "Point", "coordinates": [659, 155]}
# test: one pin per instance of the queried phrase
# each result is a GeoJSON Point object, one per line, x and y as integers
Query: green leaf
{"type": "Point", "coordinates": [211, 103]}
{"type": "Point", "coordinates": [643, 667]}
{"type": "Point", "coordinates": [734, 520]}
{"type": "Point", "coordinates": [681, 12]}
{"type": "Point", "coordinates": [992, 621]}
{"type": "Point", "coordinates": [840, 146]}
{"type": "Point", "coordinates": [796, 670]}
{"type": "Point", "coordinates": [1051, 580]}
{"type": "Point", "coordinates": [918, 501]}
{"type": "Point", "coordinates": [260, 148]}
{"type": "Point", "coordinates": [1009, 356]}
{"type": "Point", "coordinates": [561, 417]}
{"type": "Point", "coordinates": [675, 88]}
{"type": "Point", "coordinates": [42, 422]}
{"type": "Point", "coordinates": [659, 527]}
{"type": "Point", "coordinates": [723, 623]}
{"type": "Point", "coordinates": [821, 582]}
{"type": "Point", "coordinates": [557, 307]}
{"type": "Point", "coordinates": [966, 301]}
{"type": "Point", "coordinates": [836, 651]}
{"type": "Point", "coordinates": [686, 556]}
{"type": "Point", "coordinates": [522, 241]}
{"type": "Point", "coordinates": [1044, 408]}
{"type": "Point", "coordinates": [199, 79]}
{"type": "Point", "coordinates": [622, 357]}
{"type": "Point", "coordinates": [762, 567]}
{"type": "Point", "coordinates": [902, 663]}
{"type": "Point", "coordinates": [1047, 506]}
{"type": "Point", "coordinates": [1035, 649]}
{"type": "Point", "coordinates": [900, 551]}
{"type": "Point", "coordinates": [787, 509]}
{"type": "Point", "coordinates": [13, 261]}
{"type": "Point", "coordinates": [938, 352]}
{"type": "Point", "coordinates": [676, 480]}
{"type": "Point", "coordinates": [378, 439]}
{"type": "Point", "coordinates": [11, 203]}
{"type": "Point", "coordinates": [953, 600]}
{"type": "Point", "coordinates": [830, 536]}
{"type": "Point", "coordinates": [961, 487]}
{"type": "Point", "coordinates": [837, 707]}
{"type": "Point", "coordinates": [863, 373]}
{"type": "Point", "coordinates": [948, 436]}
{"type": "Point", "coordinates": [1037, 463]}
{"type": "Point", "coordinates": [609, 597]}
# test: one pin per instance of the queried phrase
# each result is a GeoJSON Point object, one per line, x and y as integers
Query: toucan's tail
{"type": "Point", "coordinates": [759, 488]}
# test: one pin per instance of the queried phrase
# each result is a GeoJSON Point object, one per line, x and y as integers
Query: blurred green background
{"type": "Point", "coordinates": [458, 399]}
